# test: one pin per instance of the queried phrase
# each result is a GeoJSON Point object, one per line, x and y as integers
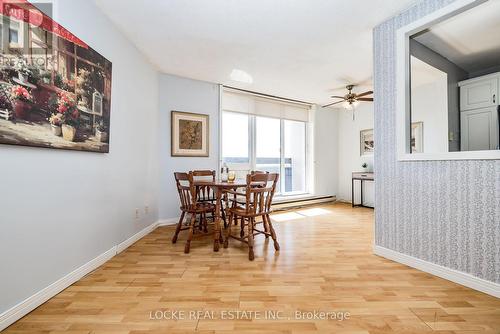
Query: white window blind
{"type": "Point", "coordinates": [246, 103]}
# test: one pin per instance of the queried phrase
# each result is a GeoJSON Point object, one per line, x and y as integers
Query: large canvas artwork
{"type": "Point", "coordinates": [55, 90]}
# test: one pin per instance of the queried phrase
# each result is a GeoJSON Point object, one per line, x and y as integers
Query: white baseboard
{"type": "Point", "coordinates": [29, 304]}
{"type": "Point", "coordinates": [285, 205]}
{"type": "Point", "coordinates": [476, 283]}
{"type": "Point", "coordinates": [130, 241]}
{"type": "Point", "coordinates": [168, 221]}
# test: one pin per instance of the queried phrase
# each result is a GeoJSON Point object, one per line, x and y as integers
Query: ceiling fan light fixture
{"type": "Point", "coordinates": [351, 100]}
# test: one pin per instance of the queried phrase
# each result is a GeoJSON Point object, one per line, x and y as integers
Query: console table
{"type": "Point", "coordinates": [361, 177]}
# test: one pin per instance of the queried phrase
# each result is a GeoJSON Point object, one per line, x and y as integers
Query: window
{"type": "Point", "coordinates": [295, 156]}
{"type": "Point", "coordinates": [15, 30]}
{"type": "Point", "coordinates": [13, 36]}
{"type": "Point", "coordinates": [268, 145]}
{"type": "Point", "coordinates": [275, 145]}
{"type": "Point", "coordinates": [235, 144]}
{"type": "Point", "coordinates": [268, 134]}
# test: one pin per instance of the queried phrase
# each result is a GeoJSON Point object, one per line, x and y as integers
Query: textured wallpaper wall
{"type": "Point", "coordinates": [444, 212]}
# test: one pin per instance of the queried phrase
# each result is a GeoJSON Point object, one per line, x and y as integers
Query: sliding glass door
{"type": "Point", "coordinates": [294, 159]}
{"type": "Point", "coordinates": [268, 144]}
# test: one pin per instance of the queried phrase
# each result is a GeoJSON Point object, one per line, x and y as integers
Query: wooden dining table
{"type": "Point", "coordinates": [218, 188]}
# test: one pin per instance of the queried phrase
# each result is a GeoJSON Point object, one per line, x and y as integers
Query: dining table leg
{"type": "Point", "coordinates": [217, 234]}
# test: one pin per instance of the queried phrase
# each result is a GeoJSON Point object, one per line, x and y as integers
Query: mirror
{"type": "Point", "coordinates": [454, 80]}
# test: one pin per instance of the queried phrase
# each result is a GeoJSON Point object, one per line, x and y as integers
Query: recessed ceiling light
{"type": "Point", "coordinates": [241, 76]}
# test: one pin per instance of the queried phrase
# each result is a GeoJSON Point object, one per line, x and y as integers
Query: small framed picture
{"type": "Point", "coordinates": [366, 142]}
{"type": "Point", "coordinates": [189, 134]}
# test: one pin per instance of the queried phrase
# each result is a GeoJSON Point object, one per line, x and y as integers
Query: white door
{"type": "Point", "coordinates": [479, 129]}
{"type": "Point", "coordinates": [479, 94]}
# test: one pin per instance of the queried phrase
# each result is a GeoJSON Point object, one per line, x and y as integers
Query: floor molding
{"type": "Point", "coordinates": [168, 221]}
{"type": "Point", "coordinates": [455, 276]}
{"type": "Point", "coordinates": [29, 304]}
{"type": "Point", "coordinates": [293, 204]}
{"type": "Point", "coordinates": [130, 241]}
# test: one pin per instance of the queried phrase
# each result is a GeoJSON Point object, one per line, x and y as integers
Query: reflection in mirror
{"type": "Point", "coordinates": [454, 83]}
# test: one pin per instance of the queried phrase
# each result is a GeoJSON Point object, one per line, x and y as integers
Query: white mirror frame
{"type": "Point", "coordinates": [403, 120]}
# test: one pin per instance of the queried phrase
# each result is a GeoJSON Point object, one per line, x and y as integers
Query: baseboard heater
{"type": "Point", "coordinates": [297, 203]}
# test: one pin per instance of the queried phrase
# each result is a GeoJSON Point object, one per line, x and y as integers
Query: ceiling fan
{"type": "Point", "coordinates": [351, 99]}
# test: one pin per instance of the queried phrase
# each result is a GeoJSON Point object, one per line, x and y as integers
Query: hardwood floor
{"type": "Point", "coordinates": [325, 264]}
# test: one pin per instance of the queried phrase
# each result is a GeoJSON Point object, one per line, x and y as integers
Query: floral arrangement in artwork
{"type": "Point", "coordinates": [84, 87]}
{"type": "Point", "coordinates": [22, 67]}
{"type": "Point", "coordinates": [63, 83]}
{"type": "Point", "coordinates": [20, 93]}
{"type": "Point", "coordinates": [66, 106]}
{"type": "Point", "coordinates": [56, 119]}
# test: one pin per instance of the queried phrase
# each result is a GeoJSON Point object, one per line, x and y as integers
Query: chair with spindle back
{"type": "Point", "coordinates": [252, 172]}
{"type": "Point", "coordinates": [238, 199]}
{"type": "Point", "coordinates": [189, 205]}
{"type": "Point", "coordinates": [258, 194]}
{"type": "Point", "coordinates": [241, 199]}
{"type": "Point", "coordinates": [204, 193]}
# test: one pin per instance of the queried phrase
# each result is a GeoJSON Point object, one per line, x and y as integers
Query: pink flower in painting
{"type": "Point", "coordinates": [20, 93]}
{"type": "Point", "coordinates": [62, 108]}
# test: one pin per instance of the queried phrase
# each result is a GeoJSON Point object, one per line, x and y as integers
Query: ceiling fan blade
{"type": "Point", "coordinates": [365, 93]}
{"type": "Point", "coordinates": [337, 97]}
{"type": "Point", "coordinates": [365, 99]}
{"type": "Point", "coordinates": [331, 104]}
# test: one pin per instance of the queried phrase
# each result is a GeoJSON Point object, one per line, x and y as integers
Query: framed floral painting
{"type": "Point", "coordinates": [189, 134]}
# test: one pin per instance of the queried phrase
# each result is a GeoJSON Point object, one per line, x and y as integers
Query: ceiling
{"type": "Point", "coordinates": [470, 39]}
{"type": "Point", "coordinates": [299, 49]}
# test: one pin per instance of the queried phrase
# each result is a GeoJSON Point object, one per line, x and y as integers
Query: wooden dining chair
{"type": "Point", "coordinates": [190, 205]}
{"type": "Point", "coordinates": [235, 200]}
{"type": "Point", "coordinates": [204, 193]}
{"type": "Point", "coordinates": [258, 172]}
{"type": "Point", "coordinates": [241, 199]}
{"type": "Point", "coordinates": [258, 194]}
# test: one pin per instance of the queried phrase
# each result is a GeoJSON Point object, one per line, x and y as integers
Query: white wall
{"type": "Point", "coordinates": [60, 209]}
{"type": "Point", "coordinates": [182, 94]}
{"type": "Point", "coordinates": [325, 136]}
{"type": "Point", "coordinates": [429, 104]}
{"type": "Point", "coordinates": [349, 159]}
